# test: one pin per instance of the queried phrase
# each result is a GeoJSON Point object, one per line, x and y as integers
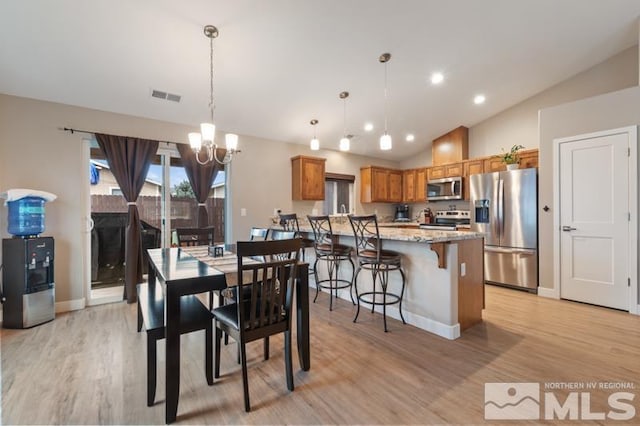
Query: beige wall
{"type": "Point", "coordinates": [35, 153]}
{"type": "Point", "coordinates": [261, 183]}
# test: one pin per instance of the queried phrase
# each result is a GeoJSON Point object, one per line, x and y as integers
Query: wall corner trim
{"type": "Point", "coordinates": [550, 293]}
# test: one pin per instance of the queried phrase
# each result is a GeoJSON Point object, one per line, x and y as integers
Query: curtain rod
{"type": "Point", "coordinates": [69, 129]}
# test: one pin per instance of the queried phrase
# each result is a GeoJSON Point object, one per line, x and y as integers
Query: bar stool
{"type": "Point", "coordinates": [333, 253]}
{"type": "Point", "coordinates": [380, 262]}
{"type": "Point", "coordinates": [289, 222]}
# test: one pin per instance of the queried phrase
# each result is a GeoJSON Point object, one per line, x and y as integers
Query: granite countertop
{"type": "Point", "coordinates": [390, 232]}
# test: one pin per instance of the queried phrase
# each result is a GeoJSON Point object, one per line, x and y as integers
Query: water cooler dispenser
{"type": "Point", "coordinates": [27, 262]}
{"type": "Point", "coordinates": [27, 278]}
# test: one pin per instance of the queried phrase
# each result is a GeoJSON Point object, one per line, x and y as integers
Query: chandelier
{"type": "Point", "coordinates": [205, 140]}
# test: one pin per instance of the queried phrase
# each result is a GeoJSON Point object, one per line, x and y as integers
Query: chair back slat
{"type": "Point", "coordinates": [271, 282]}
{"type": "Point", "coordinates": [195, 236]}
{"type": "Point", "coordinates": [289, 222]}
{"type": "Point", "coordinates": [366, 233]}
{"type": "Point", "coordinates": [322, 232]}
{"type": "Point", "coordinates": [258, 234]}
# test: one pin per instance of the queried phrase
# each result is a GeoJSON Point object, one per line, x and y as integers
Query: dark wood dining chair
{"type": "Point", "coordinates": [289, 222]}
{"type": "Point", "coordinates": [195, 236]}
{"type": "Point", "coordinates": [258, 234]}
{"type": "Point", "coordinates": [267, 310]}
{"type": "Point", "coordinates": [194, 316]}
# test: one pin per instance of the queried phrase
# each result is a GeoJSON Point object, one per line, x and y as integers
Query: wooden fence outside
{"type": "Point", "coordinates": [184, 211]}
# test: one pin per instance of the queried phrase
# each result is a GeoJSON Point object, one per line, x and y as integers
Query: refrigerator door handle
{"type": "Point", "coordinates": [501, 208]}
{"type": "Point", "coordinates": [524, 252]}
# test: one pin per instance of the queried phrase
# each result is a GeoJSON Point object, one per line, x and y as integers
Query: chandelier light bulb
{"type": "Point", "coordinates": [195, 140]}
{"type": "Point", "coordinates": [231, 140]}
{"type": "Point", "coordinates": [208, 132]}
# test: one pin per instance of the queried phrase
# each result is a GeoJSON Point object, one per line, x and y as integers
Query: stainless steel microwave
{"type": "Point", "coordinates": [444, 189]}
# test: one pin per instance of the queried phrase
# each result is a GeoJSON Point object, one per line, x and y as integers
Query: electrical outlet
{"type": "Point", "coordinates": [463, 269]}
{"type": "Point", "coordinates": [243, 212]}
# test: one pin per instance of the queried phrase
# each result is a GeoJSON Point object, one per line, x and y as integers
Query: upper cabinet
{"type": "Point", "coordinates": [380, 185]}
{"type": "Point", "coordinates": [448, 170]}
{"type": "Point", "coordinates": [451, 147]}
{"type": "Point", "coordinates": [414, 182]}
{"type": "Point", "coordinates": [307, 178]}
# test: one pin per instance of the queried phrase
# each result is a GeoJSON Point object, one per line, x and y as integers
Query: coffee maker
{"type": "Point", "coordinates": [402, 213]}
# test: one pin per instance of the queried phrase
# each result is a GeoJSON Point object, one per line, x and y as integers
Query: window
{"type": "Point", "coordinates": [339, 197]}
{"type": "Point", "coordinates": [115, 191]}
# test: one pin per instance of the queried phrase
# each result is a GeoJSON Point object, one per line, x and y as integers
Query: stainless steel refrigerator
{"type": "Point", "coordinates": [504, 207]}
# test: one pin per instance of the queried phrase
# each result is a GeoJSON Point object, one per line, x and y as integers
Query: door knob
{"type": "Point", "coordinates": [568, 228]}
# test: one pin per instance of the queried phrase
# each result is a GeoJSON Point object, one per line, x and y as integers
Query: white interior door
{"type": "Point", "coordinates": [594, 220]}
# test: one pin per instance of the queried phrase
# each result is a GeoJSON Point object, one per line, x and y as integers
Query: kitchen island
{"type": "Point", "coordinates": [444, 292]}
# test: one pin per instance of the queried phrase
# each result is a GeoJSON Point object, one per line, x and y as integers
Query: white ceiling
{"type": "Point", "coordinates": [280, 63]}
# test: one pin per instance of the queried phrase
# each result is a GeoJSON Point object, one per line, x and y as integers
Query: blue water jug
{"type": "Point", "coordinates": [26, 216]}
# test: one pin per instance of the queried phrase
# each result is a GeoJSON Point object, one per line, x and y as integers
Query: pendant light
{"type": "Point", "coordinates": [385, 139]}
{"type": "Point", "coordinates": [344, 142]}
{"type": "Point", "coordinates": [315, 143]}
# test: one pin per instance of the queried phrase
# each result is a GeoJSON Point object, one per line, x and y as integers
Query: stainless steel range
{"type": "Point", "coordinates": [449, 220]}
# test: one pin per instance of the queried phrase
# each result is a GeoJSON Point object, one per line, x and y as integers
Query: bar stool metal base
{"type": "Point", "coordinates": [379, 273]}
{"type": "Point", "coordinates": [333, 283]}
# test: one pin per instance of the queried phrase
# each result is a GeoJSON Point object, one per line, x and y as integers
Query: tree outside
{"type": "Point", "coordinates": [183, 189]}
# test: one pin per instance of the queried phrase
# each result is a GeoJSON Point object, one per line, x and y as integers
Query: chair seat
{"type": "Point", "coordinates": [385, 255]}
{"type": "Point", "coordinates": [307, 242]}
{"type": "Point", "coordinates": [338, 249]}
{"type": "Point", "coordinates": [228, 314]}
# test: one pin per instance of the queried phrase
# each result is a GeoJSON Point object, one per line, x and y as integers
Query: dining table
{"type": "Point", "coordinates": [192, 270]}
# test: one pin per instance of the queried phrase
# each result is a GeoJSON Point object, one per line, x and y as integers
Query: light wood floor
{"type": "Point", "coordinates": [88, 367]}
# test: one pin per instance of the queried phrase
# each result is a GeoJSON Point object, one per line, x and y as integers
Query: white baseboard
{"type": "Point", "coordinates": [450, 332]}
{"type": "Point", "coordinates": [550, 293]}
{"type": "Point", "coordinates": [70, 305]}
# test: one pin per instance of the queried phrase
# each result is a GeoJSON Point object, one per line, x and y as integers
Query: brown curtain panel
{"type": "Point", "coordinates": [129, 160]}
{"type": "Point", "coordinates": [201, 178]}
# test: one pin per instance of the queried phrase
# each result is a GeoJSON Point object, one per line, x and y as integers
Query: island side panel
{"type": "Point", "coordinates": [471, 284]}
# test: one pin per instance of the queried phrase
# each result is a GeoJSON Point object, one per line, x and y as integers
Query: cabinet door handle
{"type": "Point", "coordinates": [566, 228]}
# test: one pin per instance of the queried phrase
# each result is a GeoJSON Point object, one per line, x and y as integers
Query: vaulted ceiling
{"type": "Point", "coordinates": [280, 63]}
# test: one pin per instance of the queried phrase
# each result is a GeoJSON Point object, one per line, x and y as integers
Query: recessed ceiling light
{"type": "Point", "coordinates": [437, 78]}
{"type": "Point", "coordinates": [410, 137]}
{"type": "Point", "coordinates": [479, 99]}
{"type": "Point", "coordinates": [368, 127]}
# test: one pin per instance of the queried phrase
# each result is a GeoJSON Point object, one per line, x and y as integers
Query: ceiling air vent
{"type": "Point", "coordinates": [164, 95]}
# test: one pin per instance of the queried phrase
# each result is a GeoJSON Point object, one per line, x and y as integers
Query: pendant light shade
{"type": "Point", "coordinates": [231, 140]}
{"type": "Point", "coordinates": [315, 143]}
{"type": "Point", "coordinates": [195, 141]}
{"type": "Point", "coordinates": [385, 142]}
{"type": "Point", "coordinates": [345, 143]}
{"type": "Point", "coordinates": [385, 139]}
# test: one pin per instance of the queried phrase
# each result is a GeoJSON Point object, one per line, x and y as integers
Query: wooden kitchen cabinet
{"type": "Point", "coordinates": [395, 186]}
{"type": "Point", "coordinates": [451, 147]}
{"type": "Point", "coordinates": [471, 167]}
{"type": "Point", "coordinates": [307, 178]}
{"type": "Point", "coordinates": [380, 185]}
{"type": "Point", "coordinates": [409, 186]}
{"type": "Point", "coordinates": [445, 171]}
{"type": "Point", "coordinates": [414, 182]}
{"type": "Point", "coordinates": [527, 159]}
